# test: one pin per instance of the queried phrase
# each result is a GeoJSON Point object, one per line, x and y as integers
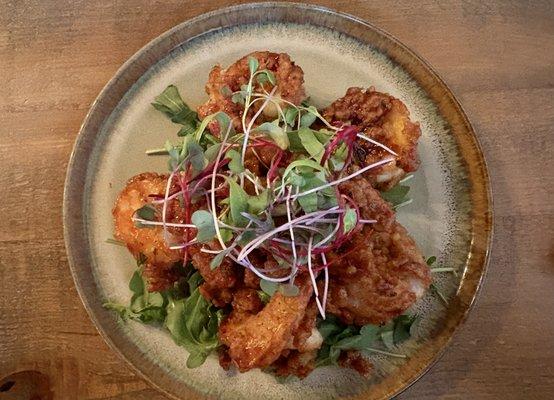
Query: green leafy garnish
{"type": "Point", "coordinates": [397, 196]}
{"type": "Point", "coordinates": [147, 307]}
{"type": "Point", "coordinates": [191, 320]}
{"type": "Point", "coordinates": [235, 165]}
{"type": "Point", "coordinates": [268, 287]}
{"type": "Point", "coordinates": [193, 323]}
{"type": "Point", "coordinates": [310, 142]}
{"type": "Point", "coordinates": [350, 219]}
{"type": "Point", "coordinates": [171, 104]}
{"type": "Point", "coordinates": [203, 220]}
{"type": "Point", "coordinates": [238, 203]}
{"type": "Point", "coordinates": [276, 133]}
{"type": "Point", "coordinates": [368, 339]}
{"type": "Point", "coordinates": [308, 117]}
{"type": "Point", "coordinates": [252, 65]}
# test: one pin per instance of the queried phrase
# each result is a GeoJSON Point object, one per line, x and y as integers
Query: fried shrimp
{"type": "Point", "coordinates": [223, 82]}
{"type": "Point", "coordinates": [146, 242]}
{"type": "Point", "coordinates": [256, 340]}
{"type": "Point", "coordinates": [380, 272]}
{"type": "Point", "coordinates": [385, 119]}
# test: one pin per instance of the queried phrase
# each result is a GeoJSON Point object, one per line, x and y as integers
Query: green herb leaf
{"type": "Point", "coordinates": [252, 65]}
{"type": "Point", "coordinates": [397, 195]}
{"type": "Point", "coordinates": [225, 91]}
{"type": "Point", "coordinates": [265, 76]}
{"type": "Point", "coordinates": [146, 212]}
{"type": "Point", "coordinates": [387, 338]}
{"type": "Point", "coordinates": [264, 297]}
{"type": "Point", "coordinates": [171, 104]}
{"type": "Point", "coordinates": [238, 98]}
{"type": "Point", "coordinates": [268, 287]}
{"type": "Point", "coordinates": [212, 152]}
{"type": "Point", "coordinates": [195, 155]}
{"type": "Point", "coordinates": [431, 260]}
{"type": "Point", "coordinates": [312, 145]}
{"type": "Point", "coordinates": [349, 220]}
{"type": "Point", "coordinates": [235, 165]}
{"type": "Point", "coordinates": [276, 133]}
{"type": "Point", "coordinates": [403, 327]}
{"type": "Point", "coordinates": [218, 259]}
{"type": "Point", "coordinates": [291, 113]}
{"type": "Point", "coordinates": [224, 122]}
{"type": "Point", "coordinates": [308, 117]}
{"type": "Point", "coordinates": [204, 223]}
{"type": "Point", "coordinates": [258, 203]}
{"type": "Point", "coordinates": [238, 203]}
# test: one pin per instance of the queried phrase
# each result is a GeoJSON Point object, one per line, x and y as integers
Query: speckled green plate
{"type": "Point", "coordinates": [450, 216]}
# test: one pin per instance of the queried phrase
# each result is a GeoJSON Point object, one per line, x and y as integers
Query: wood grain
{"type": "Point", "coordinates": [498, 58]}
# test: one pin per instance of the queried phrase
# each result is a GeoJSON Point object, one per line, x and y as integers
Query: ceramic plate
{"type": "Point", "coordinates": [450, 216]}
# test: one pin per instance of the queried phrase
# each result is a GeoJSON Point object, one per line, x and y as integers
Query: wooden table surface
{"type": "Point", "coordinates": [55, 56]}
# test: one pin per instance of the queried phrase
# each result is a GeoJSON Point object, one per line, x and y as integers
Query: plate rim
{"type": "Point", "coordinates": [73, 220]}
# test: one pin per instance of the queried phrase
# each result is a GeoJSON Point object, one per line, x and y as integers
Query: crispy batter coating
{"type": "Point", "coordinates": [385, 119]}
{"type": "Point", "coordinates": [219, 283]}
{"type": "Point", "coordinates": [149, 242]}
{"type": "Point", "coordinates": [222, 82]}
{"type": "Point", "coordinates": [380, 272]}
{"type": "Point", "coordinates": [306, 342]}
{"type": "Point", "coordinates": [256, 340]}
{"type": "Point", "coordinates": [354, 360]}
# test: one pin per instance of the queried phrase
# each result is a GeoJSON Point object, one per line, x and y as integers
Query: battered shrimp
{"type": "Point", "coordinates": [385, 119]}
{"type": "Point", "coordinates": [146, 241]}
{"type": "Point", "coordinates": [380, 272]}
{"type": "Point", "coordinates": [256, 340]}
{"type": "Point", "coordinates": [223, 82]}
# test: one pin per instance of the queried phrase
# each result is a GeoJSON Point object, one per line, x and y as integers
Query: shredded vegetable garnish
{"type": "Point", "coordinates": [289, 205]}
